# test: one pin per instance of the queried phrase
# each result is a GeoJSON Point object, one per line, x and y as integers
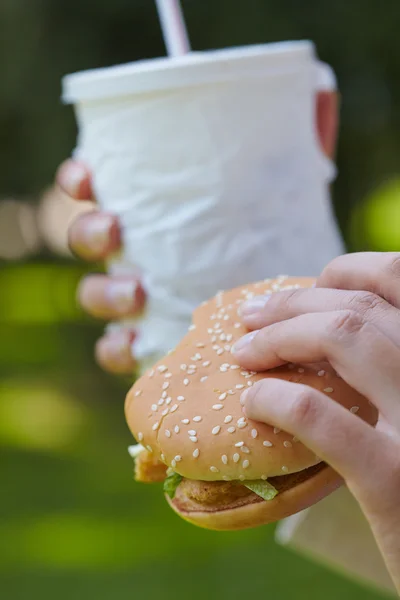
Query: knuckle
{"type": "Point", "coordinates": [304, 411]}
{"type": "Point", "coordinates": [346, 324]}
{"type": "Point", "coordinates": [366, 303]}
{"type": "Point", "coordinates": [393, 265]}
{"type": "Point", "coordinates": [330, 272]}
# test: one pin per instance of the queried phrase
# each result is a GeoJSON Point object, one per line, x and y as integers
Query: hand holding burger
{"type": "Point", "coordinates": [352, 320]}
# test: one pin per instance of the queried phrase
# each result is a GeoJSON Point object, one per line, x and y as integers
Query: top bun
{"type": "Point", "coordinates": [187, 412]}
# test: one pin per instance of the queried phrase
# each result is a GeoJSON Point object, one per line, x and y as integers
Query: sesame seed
{"type": "Point", "coordinates": [226, 317]}
{"type": "Point", "coordinates": [177, 429]}
{"type": "Point", "coordinates": [165, 385]}
{"type": "Point", "coordinates": [210, 331]}
{"type": "Point", "coordinates": [165, 412]}
{"type": "Point", "coordinates": [162, 368]}
{"type": "Point", "coordinates": [161, 401]}
{"type": "Point", "coordinates": [173, 463]}
{"type": "Point", "coordinates": [174, 407]}
{"type": "Point", "coordinates": [229, 338]}
{"type": "Point", "coordinates": [217, 325]}
{"type": "Point", "coordinates": [254, 433]}
{"type": "Point", "coordinates": [231, 392]}
{"type": "Point", "coordinates": [236, 457]}
{"type": "Point", "coordinates": [226, 478]}
{"type": "Point", "coordinates": [249, 383]}
{"type": "Point", "coordinates": [192, 432]}
{"type": "Point", "coordinates": [245, 464]}
{"type": "Point", "coordinates": [162, 457]}
{"type": "Point", "coordinates": [220, 351]}
{"type": "Point", "coordinates": [154, 407]}
{"type": "Point", "coordinates": [227, 347]}
{"type": "Point", "coordinates": [150, 449]}
{"type": "Point", "coordinates": [218, 406]}
{"type": "Point", "coordinates": [192, 327]}
{"type": "Point", "coordinates": [183, 367]}
{"type": "Point", "coordinates": [191, 372]}
{"type": "Point", "coordinates": [245, 449]}
{"type": "Point", "coordinates": [156, 426]}
{"type": "Point", "coordinates": [285, 469]}
{"type": "Point", "coordinates": [140, 436]}
{"type": "Point", "coordinates": [178, 458]}
{"type": "Point", "coordinates": [214, 338]}
{"type": "Point", "coordinates": [239, 444]}
{"type": "Point", "coordinates": [241, 478]}
{"type": "Point", "coordinates": [197, 419]}
{"type": "Point", "coordinates": [295, 439]}
{"type": "Point", "coordinates": [203, 379]}
{"type": "Point", "coordinates": [138, 393]}
{"type": "Point", "coordinates": [277, 430]}
{"type": "Point", "coordinates": [223, 369]}
{"type": "Point", "coordinates": [167, 433]}
{"type": "Point", "coordinates": [151, 374]}
{"type": "Point", "coordinates": [193, 438]}
{"type": "Point", "coordinates": [216, 430]}
{"type": "Point", "coordinates": [264, 477]}
{"type": "Point", "coordinates": [222, 337]}
{"type": "Point", "coordinates": [164, 395]}
{"type": "Point", "coordinates": [214, 469]}
{"type": "Point", "coordinates": [228, 419]}
{"type": "Point", "coordinates": [237, 325]}
{"type": "Point", "coordinates": [168, 400]}
{"type": "Point", "coordinates": [224, 459]}
{"type": "Point", "coordinates": [321, 373]}
{"type": "Point", "coordinates": [328, 390]}
{"type": "Point", "coordinates": [287, 444]}
{"type": "Point", "coordinates": [185, 421]}
{"type": "Point", "coordinates": [242, 424]}
{"type": "Point", "coordinates": [168, 375]}
{"type": "Point", "coordinates": [239, 386]}
{"type": "Point", "coordinates": [206, 363]}
{"type": "Point", "coordinates": [240, 420]}
{"type": "Point", "coordinates": [200, 345]}
{"type": "Point", "coordinates": [196, 453]}
{"type": "Point", "coordinates": [354, 409]}
{"type": "Point", "coordinates": [267, 444]}
{"type": "Point", "coordinates": [216, 347]}
{"type": "Point", "coordinates": [231, 429]}
{"type": "Point", "coordinates": [223, 396]}
{"type": "Point", "coordinates": [186, 382]}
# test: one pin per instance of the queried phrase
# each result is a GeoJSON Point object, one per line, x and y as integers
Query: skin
{"type": "Point", "coordinates": [95, 236]}
{"type": "Point", "coordinates": [352, 320]}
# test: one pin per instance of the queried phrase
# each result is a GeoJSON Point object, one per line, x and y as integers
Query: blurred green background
{"type": "Point", "coordinates": [73, 524]}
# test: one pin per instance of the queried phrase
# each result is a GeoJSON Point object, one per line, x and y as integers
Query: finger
{"type": "Point", "coordinates": [266, 310]}
{"type": "Point", "coordinates": [377, 272]}
{"type": "Point", "coordinates": [110, 298]}
{"type": "Point", "coordinates": [94, 236]}
{"type": "Point", "coordinates": [114, 352]}
{"type": "Point", "coordinates": [343, 440]}
{"type": "Point", "coordinates": [75, 181]}
{"type": "Point", "coordinates": [362, 355]}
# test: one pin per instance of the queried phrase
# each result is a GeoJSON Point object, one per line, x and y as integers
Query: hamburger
{"type": "Point", "coordinates": [221, 470]}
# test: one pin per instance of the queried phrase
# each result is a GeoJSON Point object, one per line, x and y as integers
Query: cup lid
{"type": "Point", "coordinates": [195, 68]}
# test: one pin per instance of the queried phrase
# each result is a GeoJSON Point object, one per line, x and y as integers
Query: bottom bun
{"type": "Point", "coordinates": [297, 492]}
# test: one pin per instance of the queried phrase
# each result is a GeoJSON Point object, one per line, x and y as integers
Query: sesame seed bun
{"type": "Point", "coordinates": [186, 411]}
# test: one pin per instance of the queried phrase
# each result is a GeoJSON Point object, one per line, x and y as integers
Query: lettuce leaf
{"type": "Point", "coordinates": [171, 483]}
{"type": "Point", "coordinates": [262, 488]}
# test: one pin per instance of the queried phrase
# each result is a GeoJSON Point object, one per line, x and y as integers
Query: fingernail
{"type": "Point", "coordinates": [97, 232]}
{"type": "Point", "coordinates": [116, 348]}
{"type": "Point", "coordinates": [253, 306]}
{"type": "Point", "coordinates": [71, 178]}
{"type": "Point", "coordinates": [244, 396]}
{"type": "Point", "coordinates": [243, 342]}
{"type": "Point", "coordinates": [121, 295]}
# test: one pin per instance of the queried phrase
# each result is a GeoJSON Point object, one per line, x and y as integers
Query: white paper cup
{"type": "Point", "coordinates": [212, 163]}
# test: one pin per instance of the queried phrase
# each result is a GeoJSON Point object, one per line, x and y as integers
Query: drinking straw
{"type": "Point", "coordinates": [173, 27]}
